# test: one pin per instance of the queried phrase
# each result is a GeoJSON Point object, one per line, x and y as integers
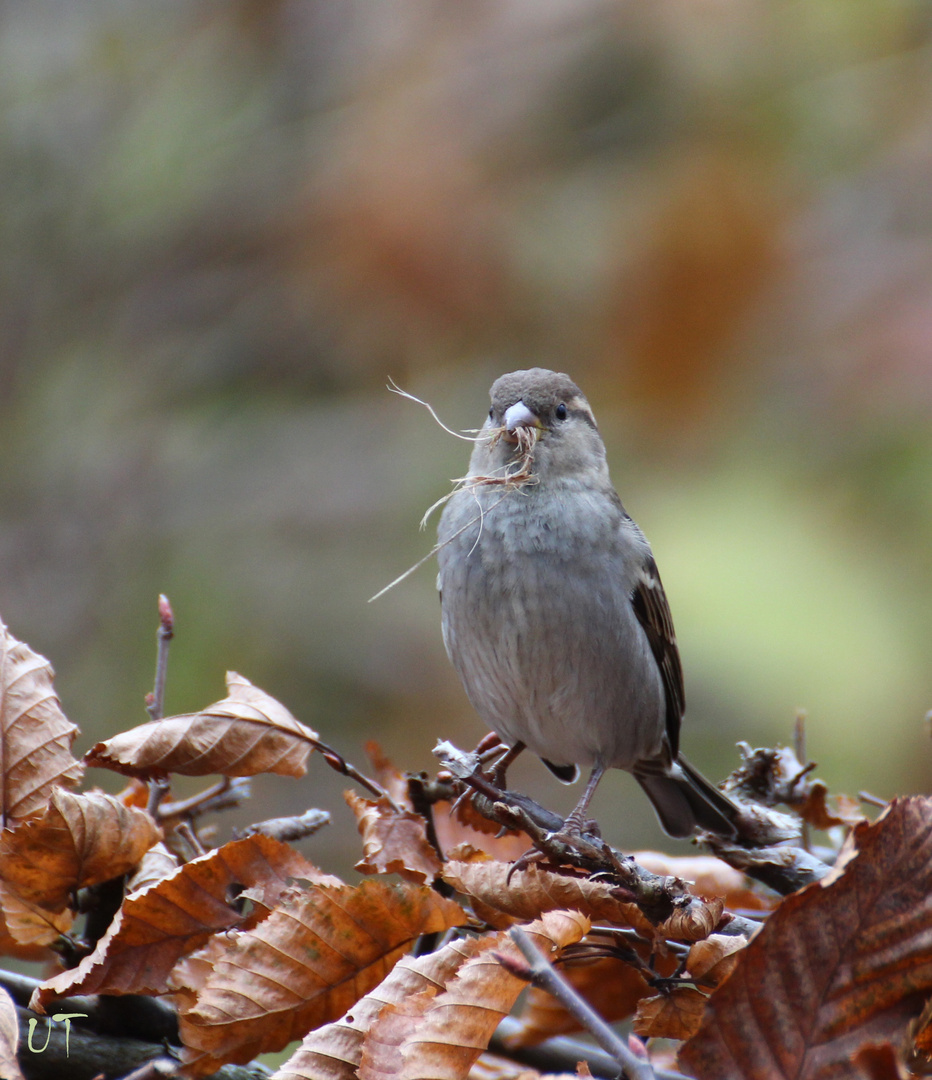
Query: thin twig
{"type": "Point", "coordinates": [545, 976]}
{"type": "Point", "coordinates": [224, 794]}
{"type": "Point", "coordinates": [156, 700]}
{"type": "Point", "coordinates": [341, 765]}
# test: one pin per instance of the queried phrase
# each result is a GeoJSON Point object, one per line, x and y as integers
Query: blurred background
{"type": "Point", "coordinates": [224, 227]}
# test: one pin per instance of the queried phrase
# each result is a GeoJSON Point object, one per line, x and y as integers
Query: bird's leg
{"type": "Point", "coordinates": [500, 768]}
{"type": "Point", "coordinates": [576, 822]}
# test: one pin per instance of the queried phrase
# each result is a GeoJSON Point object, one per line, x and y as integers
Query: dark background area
{"type": "Point", "coordinates": [225, 226]}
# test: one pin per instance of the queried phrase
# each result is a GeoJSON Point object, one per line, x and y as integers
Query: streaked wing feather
{"type": "Point", "coordinates": [653, 612]}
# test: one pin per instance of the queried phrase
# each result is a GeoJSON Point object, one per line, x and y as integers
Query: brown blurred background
{"type": "Point", "coordinates": [224, 226]}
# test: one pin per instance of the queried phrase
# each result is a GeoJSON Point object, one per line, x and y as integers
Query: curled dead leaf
{"type": "Point", "coordinates": [393, 842]}
{"type": "Point", "coordinates": [35, 735]}
{"type": "Point", "coordinates": [693, 922]}
{"type": "Point", "coordinates": [80, 840]}
{"type": "Point", "coordinates": [674, 1015]}
{"type": "Point", "coordinates": [817, 811]}
{"type": "Point", "coordinates": [713, 960]}
{"type": "Point", "coordinates": [31, 926]}
{"type": "Point", "coordinates": [246, 733]}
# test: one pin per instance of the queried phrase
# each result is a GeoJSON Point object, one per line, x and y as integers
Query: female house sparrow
{"type": "Point", "coordinates": [552, 607]}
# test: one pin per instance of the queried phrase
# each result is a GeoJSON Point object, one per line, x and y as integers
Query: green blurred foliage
{"type": "Point", "coordinates": [223, 227]}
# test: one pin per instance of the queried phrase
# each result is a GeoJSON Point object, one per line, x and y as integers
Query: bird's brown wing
{"type": "Point", "coordinates": [653, 612]}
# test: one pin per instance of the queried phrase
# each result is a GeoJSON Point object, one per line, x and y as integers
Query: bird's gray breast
{"type": "Point", "coordinates": [538, 622]}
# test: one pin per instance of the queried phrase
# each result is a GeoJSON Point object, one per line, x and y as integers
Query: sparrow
{"type": "Point", "coordinates": [553, 612]}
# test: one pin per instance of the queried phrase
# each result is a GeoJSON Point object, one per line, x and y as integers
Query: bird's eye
{"type": "Point", "coordinates": [560, 411]}
{"type": "Point", "coordinates": [492, 413]}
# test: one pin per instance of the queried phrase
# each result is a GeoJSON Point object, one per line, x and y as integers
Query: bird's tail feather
{"type": "Point", "coordinates": [684, 801]}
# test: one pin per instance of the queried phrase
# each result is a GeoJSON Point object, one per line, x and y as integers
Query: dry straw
{"type": "Point", "coordinates": [513, 476]}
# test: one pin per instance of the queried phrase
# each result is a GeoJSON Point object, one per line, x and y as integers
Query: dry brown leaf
{"type": "Point", "coordinates": [820, 815]}
{"type": "Point", "coordinates": [9, 1038]}
{"type": "Point", "coordinates": [535, 890]}
{"type": "Point", "coordinates": [34, 949]}
{"type": "Point", "coordinates": [466, 826]}
{"type": "Point", "coordinates": [675, 1015]}
{"type": "Point", "coordinates": [159, 924]}
{"type": "Point", "coordinates": [80, 840]}
{"type": "Point", "coordinates": [840, 964]}
{"type": "Point", "coordinates": [319, 951]}
{"type": "Point", "coordinates": [714, 959]}
{"type": "Point", "coordinates": [333, 1051]}
{"type": "Point", "coordinates": [441, 1034]}
{"type": "Point", "coordinates": [30, 925]}
{"type": "Point", "coordinates": [35, 735]}
{"type": "Point", "coordinates": [708, 876]}
{"type": "Point", "coordinates": [692, 923]}
{"type": "Point", "coordinates": [157, 863]}
{"type": "Point", "coordinates": [878, 1061]}
{"type": "Point", "coordinates": [393, 842]}
{"type": "Point", "coordinates": [247, 733]}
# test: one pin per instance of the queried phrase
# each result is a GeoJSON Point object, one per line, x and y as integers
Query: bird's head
{"type": "Point", "coordinates": [539, 421]}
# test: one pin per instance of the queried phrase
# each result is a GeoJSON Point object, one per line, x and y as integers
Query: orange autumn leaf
{"type": "Point", "coordinates": [802, 1000]}
{"type": "Point", "coordinates": [35, 735]}
{"type": "Point", "coordinates": [30, 926]}
{"type": "Point", "coordinates": [713, 960]}
{"type": "Point", "coordinates": [465, 827]}
{"type": "Point", "coordinates": [162, 922]}
{"type": "Point", "coordinates": [334, 1050]}
{"type": "Point", "coordinates": [440, 1033]}
{"type": "Point", "coordinates": [319, 951]}
{"type": "Point", "coordinates": [80, 840]}
{"type": "Point", "coordinates": [246, 733]}
{"type": "Point", "coordinates": [393, 842]}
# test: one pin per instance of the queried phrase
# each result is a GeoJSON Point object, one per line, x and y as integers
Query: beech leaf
{"type": "Point", "coordinates": [674, 1015]}
{"type": "Point", "coordinates": [393, 842]}
{"type": "Point", "coordinates": [249, 732]}
{"type": "Point", "coordinates": [162, 922]}
{"type": "Point", "coordinates": [319, 951]}
{"type": "Point", "coordinates": [80, 840]}
{"type": "Point", "coordinates": [441, 1034]}
{"type": "Point", "coordinates": [841, 964]}
{"type": "Point", "coordinates": [333, 1052]}
{"type": "Point", "coordinates": [29, 925]}
{"type": "Point", "coordinates": [35, 735]}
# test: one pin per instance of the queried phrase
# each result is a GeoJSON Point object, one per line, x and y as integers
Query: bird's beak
{"type": "Point", "coordinates": [519, 416]}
